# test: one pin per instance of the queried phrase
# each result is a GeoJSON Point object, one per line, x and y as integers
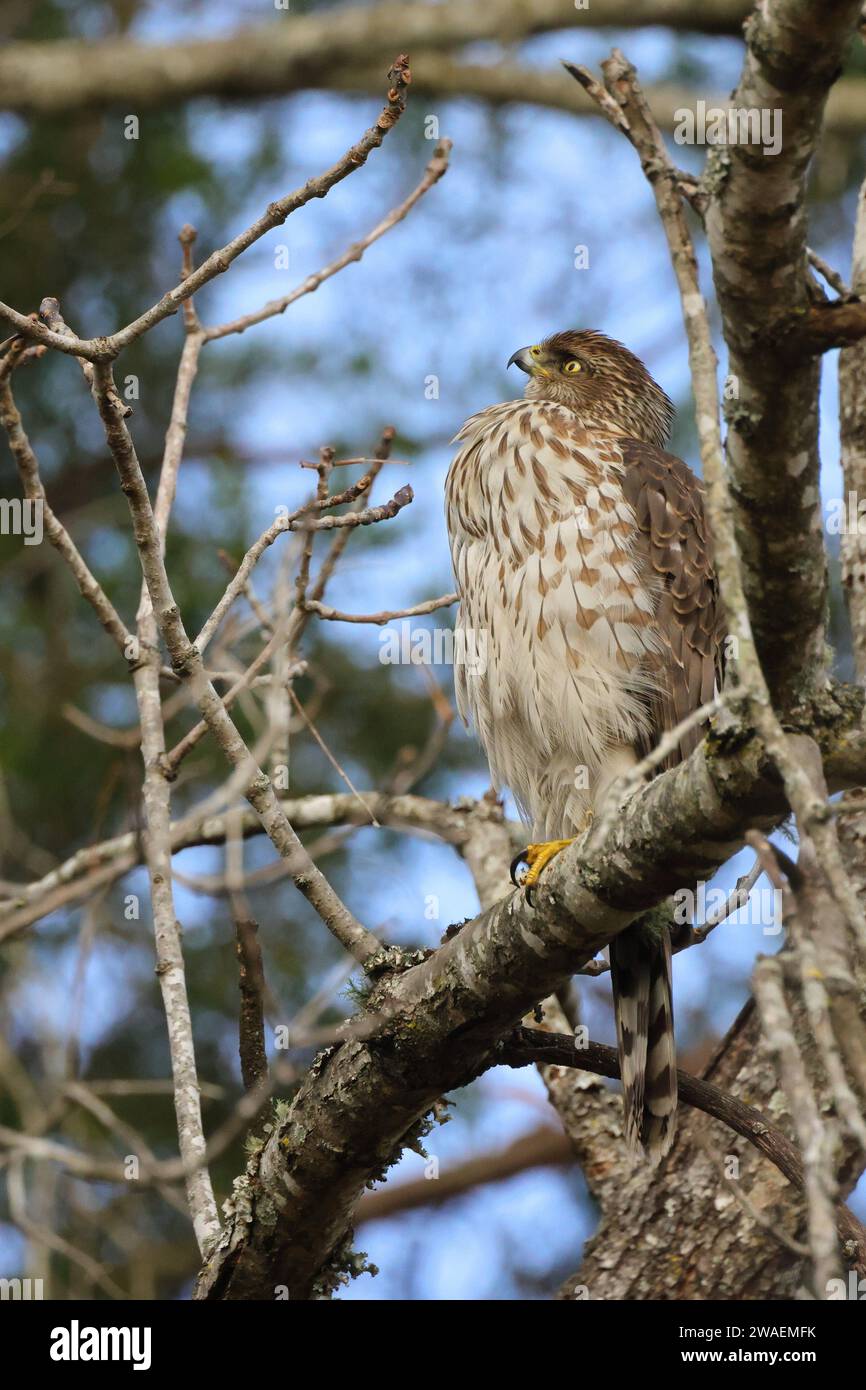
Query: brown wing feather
{"type": "Point", "coordinates": [668, 503]}
{"type": "Point", "coordinates": [677, 548]}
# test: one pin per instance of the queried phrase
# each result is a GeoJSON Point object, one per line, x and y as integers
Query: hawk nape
{"type": "Point", "coordinates": [585, 569]}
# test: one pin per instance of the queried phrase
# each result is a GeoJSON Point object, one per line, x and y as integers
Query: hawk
{"type": "Point", "coordinates": [586, 580]}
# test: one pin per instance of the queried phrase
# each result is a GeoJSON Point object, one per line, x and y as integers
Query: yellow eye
{"type": "Point", "coordinates": [572, 366]}
{"type": "Point", "coordinates": [535, 351]}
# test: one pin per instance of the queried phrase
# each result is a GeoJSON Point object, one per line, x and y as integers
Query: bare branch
{"type": "Point", "coordinates": [28, 471]}
{"type": "Point", "coordinates": [107, 348]}
{"type": "Point", "coordinates": [187, 662]}
{"type": "Point", "coordinates": [534, 1045]}
{"type": "Point", "coordinates": [436, 167]}
{"type": "Point", "coordinates": [254, 1061]}
{"type": "Point", "coordinates": [333, 615]}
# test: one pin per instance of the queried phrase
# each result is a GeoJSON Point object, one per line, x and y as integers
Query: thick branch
{"type": "Point", "coordinates": [852, 431]}
{"type": "Point", "coordinates": [297, 50]}
{"type": "Point", "coordinates": [533, 1045]}
{"type": "Point", "coordinates": [756, 227]}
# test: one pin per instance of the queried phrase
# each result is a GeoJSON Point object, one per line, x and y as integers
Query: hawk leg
{"type": "Point", "coordinates": [537, 857]}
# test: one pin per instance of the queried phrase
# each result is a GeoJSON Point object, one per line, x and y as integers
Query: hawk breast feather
{"type": "Point", "coordinates": [585, 570]}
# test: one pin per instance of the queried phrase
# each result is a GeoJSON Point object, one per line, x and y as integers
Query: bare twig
{"type": "Point", "coordinates": [338, 768]}
{"type": "Point", "coordinates": [333, 615]}
{"type": "Point", "coordinates": [251, 1028]}
{"type": "Point", "coordinates": [299, 521]}
{"type": "Point", "coordinates": [298, 620]}
{"type": "Point", "coordinates": [107, 348]}
{"type": "Point", "coordinates": [187, 662]}
{"type": "Point", "coordinates": [435, 169]}
{"type": "Point", "coordinates": [833, 278]}
{"type": "Point", "coordinates": [28, 470]}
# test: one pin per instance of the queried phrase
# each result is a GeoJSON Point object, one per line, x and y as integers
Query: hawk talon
{"type": "Point", "coordinates": [515, 865]}
{"type": "Point", "coordinates": [536, 858]}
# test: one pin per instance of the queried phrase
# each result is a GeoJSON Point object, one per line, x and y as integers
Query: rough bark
{"type": "Point", "coordinates": [852, 431]}
{"type": "Point", "coordinates": [756, 227]}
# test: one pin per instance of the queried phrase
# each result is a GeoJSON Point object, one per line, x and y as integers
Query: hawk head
{"type": "Point", "coordinates": [600, 380]}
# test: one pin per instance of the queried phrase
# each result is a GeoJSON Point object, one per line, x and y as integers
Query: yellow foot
{"type": "Point", "coordinates": [535, 857]}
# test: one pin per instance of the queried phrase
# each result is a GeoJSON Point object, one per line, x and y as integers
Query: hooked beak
{"type": "Point", "coordinates": [523, 358]}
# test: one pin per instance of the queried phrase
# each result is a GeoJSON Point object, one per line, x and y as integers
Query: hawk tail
{"type": "Point", "coordinates": [640, 963]}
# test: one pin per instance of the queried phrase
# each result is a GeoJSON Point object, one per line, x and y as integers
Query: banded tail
{"type": "Point", "coordinates": [640, 964]}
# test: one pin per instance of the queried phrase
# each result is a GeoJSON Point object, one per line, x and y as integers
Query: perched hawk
{"type": "Point", "coordinates": [586, 584]}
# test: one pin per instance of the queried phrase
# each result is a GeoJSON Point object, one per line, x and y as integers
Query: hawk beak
{"type": "Point", "coordinates": [523, 359]}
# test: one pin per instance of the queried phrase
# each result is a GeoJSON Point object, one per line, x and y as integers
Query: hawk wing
{"type": "Point", "coordinates": [668, 503]}
{"type": "Point", "coordinates": [667, 500]}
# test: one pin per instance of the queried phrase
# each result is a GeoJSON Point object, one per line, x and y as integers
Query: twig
{"type": "Point", "coordinates": [103, 733]}
{"type": "Point", "coordinates": [133, 1141]}
{"type": "Point", "coordinates": [232, 565]}
{"type": "Point", "coordinates": [28, 470]}
{"type": "Point", "coordinates": [833, 278]}
{"type": "Point", "coordinates": [437, 166]}
{"type": "Point", "coordinates": [298, 521]}
{"type": "Point", "coordinates": [187, 236]}
{"type": "Point", "coordinates": [107, 348]}
{"type": "Point", "coordinates": [760, 1218]}
{"type": "Point", "coordinates": [334, 615]}
{"type": "Point", "coordinates": [331, 759]}
{"type": "Point", "coordinates": [187, 662]}
{"type": "Point", "coordinates": [251, 1027]}
{"type": "Point", "coordinates": [737, 898]}
{"type": "Point", "coordinates": [299, 618]}
{"type": "Point", "coordinates": [41, 1234]}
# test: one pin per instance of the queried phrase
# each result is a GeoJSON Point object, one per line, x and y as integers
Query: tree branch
{"type": "Point", "coordinates": [107, 348]}
{"type": "Point", "coordinates": [756, 228]}
{"type": "Point", "coordinates": [263, 60]}
{"type": "Point", "coordinates": [528, 1045]}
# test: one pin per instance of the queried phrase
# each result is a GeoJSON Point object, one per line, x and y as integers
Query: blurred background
{"type": "Point", "coordinates": [543, 222]}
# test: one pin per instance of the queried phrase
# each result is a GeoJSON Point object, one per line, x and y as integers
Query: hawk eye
{"type": "Point", "coordinates": [535, 351]}
{"type": "Point", "coordinates": [572, 366]}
